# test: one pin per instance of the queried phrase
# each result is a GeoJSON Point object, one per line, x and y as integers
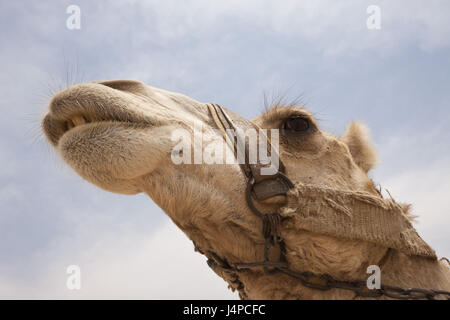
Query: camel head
{"type": "Point", "coordinates": [118, 135]}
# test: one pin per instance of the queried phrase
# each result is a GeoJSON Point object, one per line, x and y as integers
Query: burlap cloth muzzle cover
{"type": "Point", "coordinates": [354, 216]}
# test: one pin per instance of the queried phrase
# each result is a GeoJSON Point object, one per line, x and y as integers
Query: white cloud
{"type": "Point", "coordinates": [427, 189]}
{"type": "Point", "coordinates": [334, 27]}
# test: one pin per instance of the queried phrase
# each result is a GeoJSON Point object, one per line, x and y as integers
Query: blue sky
{"type": "Point", "coordinates": [395, 79]}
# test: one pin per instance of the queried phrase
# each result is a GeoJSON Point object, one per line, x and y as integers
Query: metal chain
{"type": "Point", "coordinates": [326, 282]}
{"type": "Point", "coordinates": [361, 290]}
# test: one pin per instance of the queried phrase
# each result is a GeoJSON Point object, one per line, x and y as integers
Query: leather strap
{"type": "Point", "coordinates": [232, 127]}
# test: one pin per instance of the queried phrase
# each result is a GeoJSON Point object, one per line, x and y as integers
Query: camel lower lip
{"type": "Point", "coordinates": [86, 148]}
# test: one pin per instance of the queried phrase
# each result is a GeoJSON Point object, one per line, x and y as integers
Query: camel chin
{"type": "Point", "coordinates": [108, 154]}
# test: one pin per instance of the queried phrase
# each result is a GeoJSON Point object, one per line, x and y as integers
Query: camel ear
{"type": "Point", "coordinates": [363, 151]}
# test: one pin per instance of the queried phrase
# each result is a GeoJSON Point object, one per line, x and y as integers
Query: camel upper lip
{"type": "Point", "coordinates": [84, 104]}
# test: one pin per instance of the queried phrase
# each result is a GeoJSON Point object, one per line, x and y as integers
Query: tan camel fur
{"type": "Point", "coordinates": [117, 135]}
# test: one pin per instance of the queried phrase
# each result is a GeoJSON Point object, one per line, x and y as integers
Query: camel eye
{"type": "Point", "coordinates": [298, 124]}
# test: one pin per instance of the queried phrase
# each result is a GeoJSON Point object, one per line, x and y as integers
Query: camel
{"type": "Point", "coordinates": [117, 135]}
